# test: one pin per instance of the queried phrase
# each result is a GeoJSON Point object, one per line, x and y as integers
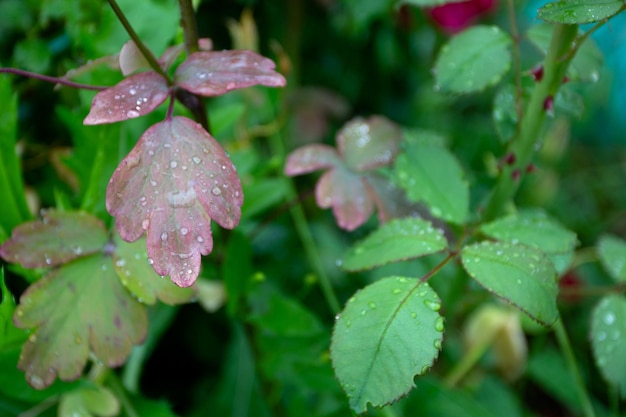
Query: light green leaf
{"type": "Point", "coordinates": [608, 327]}
{"type": "Point", "coordinates": [473, 60]}
{"type": "Point", "coordinates": [397, 240]}
{"type": "Point", "coordinates": [78, 308]}
{"type": "Point", "coordinates": [519, 274]}
{"type": "Point", "coordinates": [432, 175]}
{"type": "Point", "coordinates": [577, 12]}
{"type": "Point", "coordinates": [532, 228]}
{"type": "Point", "coordinates": [612, 251]}
{"type": "Point", "coordinates": [138, 276]}
{"type": "Point", "coordinates": [89, 401]}
{"type": "Point", "coordinates": [388, 333]}
{"type": "Point", "coordinates": [585, 65]}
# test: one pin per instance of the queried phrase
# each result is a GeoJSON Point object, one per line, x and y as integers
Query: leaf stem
{"type": "Point", "coordinates": [121, 395]}
{"type": "Point", "coordinates": [438, 267]}
{"type": "Point", "coordinates": [517, 66]}
{"type": "Point", "coordinates": [469, 360]}
{"type": "Point", "coordinates": [189, 25]}
{"type": "Point", "coordinates": [54, 80]}
{"type": "Point", "coordinates": [566, 349]}
{"type": "Point", "coordinates": [529, 136]}
{"type": "Point", "coordinates": [154, 64]}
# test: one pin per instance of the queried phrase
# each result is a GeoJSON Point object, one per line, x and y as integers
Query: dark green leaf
{"type": "Point", "coordinates": [432, 175]}
{"type": "Point", "coordinates": [473, 60]}
{"type": "Point", "coordinates": [612, 251]}
{"type": "Point", "coordinates": [137, 275]}
{"type": "Point", "coordinates": [79, 307]}
{"type": "Point", "coordinates": [10, 335]}
{"type": "Point", "coordinates": [577, 12]}
{"type": "Point", "coordinates": [397, 240]}
{"type": "Point", "coordinates": [521, 275]}
{"type": "Point", "coordinates": [237, 270]}
{"type": "Point", "coordinates": [608, 326]}
{"type": "Point", "coordinates": [388, 333]}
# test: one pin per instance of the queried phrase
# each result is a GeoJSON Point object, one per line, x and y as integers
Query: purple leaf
{"type": "Point", "coordinates": [349, 196]}
{"type": "Point", "coordinates": [132, 97]}
{"type": "Point", "coordinates": [57, 238]}
{"type": "Point", "coordinates": [366, 144]}
{"type": "Point", "coordinates": [174, 181]}
{"type": "Point", "coordinates": [311, 158]}
{"type": "Point", "coordinates": [136, 274]}
{"type": "Point", "coordinates": [217, 72]}
{"type": "Point", "coordinates": [79, 307]}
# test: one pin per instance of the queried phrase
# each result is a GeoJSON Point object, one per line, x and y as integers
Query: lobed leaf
{"type": "Point", "coordinates": [214, 73]}
{"type": "Point", "coordinates": [132, 267]}
{"type": "Point", "coordinates": [431, 174]}
{"type": "Point", "coordinates": [608, 325]}
{"type": "Point", "coordinates": [57, 238]}
{"type": "Point", "coordinates": [311, 158]}
{"type": "Point", "coordinates": [577, 12]}
{"type": "Point", "coordinates": [132, 97]}
{"type": "Point", "coordinates": [348, 194]}
{"type": "Point", "coordinates": [397, 240]}
{"type": "Point", "coordinates": [532, 228]}
{"type": "Point", "coordinates": [366, 144]}
{"type": "Point", "coordinates": [612, 252]}
{"type": "Point", "coordinates": [174, 181]}
{"type": "Point", "coordinates": [519, 274]}
{"type": "Point", "coordinates": [388, 333]}
{"type": "Point", "coordinates": [473, 60]}
{"type": "Point", "coordinates": [79, 307]}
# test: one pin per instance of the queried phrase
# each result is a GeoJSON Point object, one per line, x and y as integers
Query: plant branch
{"type": "Point", "coordinates": [528, 137]}
{"type": "Point", "coordinates": [189, 25]}
{"type": "Point", "coordinates": [517, 65]}
{"type": "Point", "coordinates": [154, 64]}
{"type": "Point", "coordinates": [54, 80]}
{"type": "Point", "coordinates": [568, 353]}
{"type": "Point", "coordinates": [438, 267]}
{"type": "Point", "coordinates": [469, 360]}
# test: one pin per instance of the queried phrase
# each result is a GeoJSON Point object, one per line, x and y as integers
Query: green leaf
{"type": "Point", "coordinates": [89, 401]}
{"type": "Point", "coordinates": [57, 238]}
{"type": "Point", "coordinates": [9, 334]}
{"type": "Point", "coordinates": [388, 333]}
{"type": "Point", "coordinates": [585, 65]}
{"type": "Point", "coordinates": [136, 273]}
{"type": "Point", "coordinates": [431, 174]}
{"type": "Point", "coordinates": [532, 228]}
{"type": "Point", "coordinates": [612, 251]}
{"type": "Point", "coordinates": [519, 274]}
{"type": "Point", "coordinates": [263, 193]}
{"type": "Point", "coordinates": [79, 307]}
{"type": "Point", "coordinates": [237, 270]}
{"type": "Point", "coordinates": [608, 326]}
{"type": "Point", "coordinates": [13, 209]}
{"type": "Point", "coordinates": [504, 112]}
{"type": "Point", "coordinates": [397, 240]}
{"type": "Point", "coordinates": [473, 60]}
{"type": "Point", "coordinates": [577, 12]}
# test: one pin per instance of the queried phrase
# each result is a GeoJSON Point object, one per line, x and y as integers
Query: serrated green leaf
{"type": "Point", "coordinates": [519, 274]}
{"type": "Point", "coordinates": [136, 274]}
{"type": "Point", "coordinates": [473, 60]}
{"type": "Point", "coordinates": [608, 327]}
{"type": "Point", "coordinates": [432, 175]}
{"type": "Point", "coordinates": [532, 228]}
{"type": "Point", "coordinates": [388, 333]}
{"type": "Point", "coordinates": [397, 240]}
{"type": "Point", "coordinates": [79, 307]}
{"type": "Point", "coordinates": [612, 251]}
{"type": "Point", "coordinates": [577, 12]}
{"type": "Point", "coordinates": [585, 65]}
{"type": "Point", "coordinates": [58, 237]}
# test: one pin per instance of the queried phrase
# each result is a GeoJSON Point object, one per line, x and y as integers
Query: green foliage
{"type": "Point", "coordinates": [576, 12]}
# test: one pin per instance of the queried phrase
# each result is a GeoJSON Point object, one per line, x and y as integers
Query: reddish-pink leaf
{"type": "Point", "coordinates": [55, 239]}
{"type": "Point", "coordinates": [78, 307]}
{"type": "Point", "coordinates": [349, 196]}
{"type": "Point", "coordinates": [132, 97]}
{"type": "Point", "coordinates": [131, 59]}
{"type": "Point", "coordinates": [175, 180]}
{"type": "Point", "coordinates": [311, 158]}
{"type": "Point", "coordinates": [217, 72]}
{"type": "Point", "coordinates": [391, 201]}
{"type": "Point", "coordinates": [366, 144]}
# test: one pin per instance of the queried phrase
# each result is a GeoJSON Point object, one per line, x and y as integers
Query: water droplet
{"type": "Point", "coordinates": [230, 85]}
{"type": "Point", "coordinates": [439, 324]}
{"type": "Point", "coordinates": [609, 318]}
{"type": "Point", "coordinates": [120, 262]}
{"type": "Point", "coordinates": [216, 191]}
{"type": "Point", "coordinates": [131, 114]}
{"type": "Point", "coordinates": [173, 164]}
{"type": "Point", "coordinates": [413, 314]}
{"type": "Point", "coordinates": [338, 316]}
{"type": "Point", "coordinates": [196, 160]}
{"type": "Point", "coordinates": [32, 338]}
{"type": "Point", "coordinates": [437, 344]}
{"type": "Point", "coordinates": [425, 369]}
{"type": "Point", "coordinates": [372, 304]}
{"type": "Point", "coordinates": [150, 261]}
{"type": "Point", "coordinates": [164, 236]}
{"type": "Point", "coordinates": [145, 223]}
{"type": "Point", "coordinates": [143, 201]}
{"type": "Point", "coordinates": [397, 291]}
{"type": "Point", "coordinates": [184, 231]}
{"type": "Point", "coordinates": [132, 91]}
{"type": "Point", "coordinates": [200, 239]}
{"type": "Point", "coordinates": [36, 381]}
{"type": "Point", "coordinates": [433, 305]}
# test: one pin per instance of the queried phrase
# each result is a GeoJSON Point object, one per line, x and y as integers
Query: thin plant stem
{"type": "Point", "coordinates": [438, 267]}
{"type": "Point", "coordinates": [517, 65]}
{"type": "Point", "coordinates": [39, 409]}
{"type": "Point", "coordinates": [570, 359]}
{"type": "Point", "coordinates": [154, 64]}
{"type": "Point", "coordinates": [467, 363]}
{"type": "Point", "coordinates": [189, 25]}
{"type": "Point", "coordinates": [387, 411]}
{"type": "Point", "coordinates": [121, 395]}
{"type": "Point", "coordinates": [54, 80]}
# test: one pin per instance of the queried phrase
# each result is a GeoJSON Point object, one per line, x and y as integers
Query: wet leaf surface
{"type": "Point", "coordinates": [174, 181]}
